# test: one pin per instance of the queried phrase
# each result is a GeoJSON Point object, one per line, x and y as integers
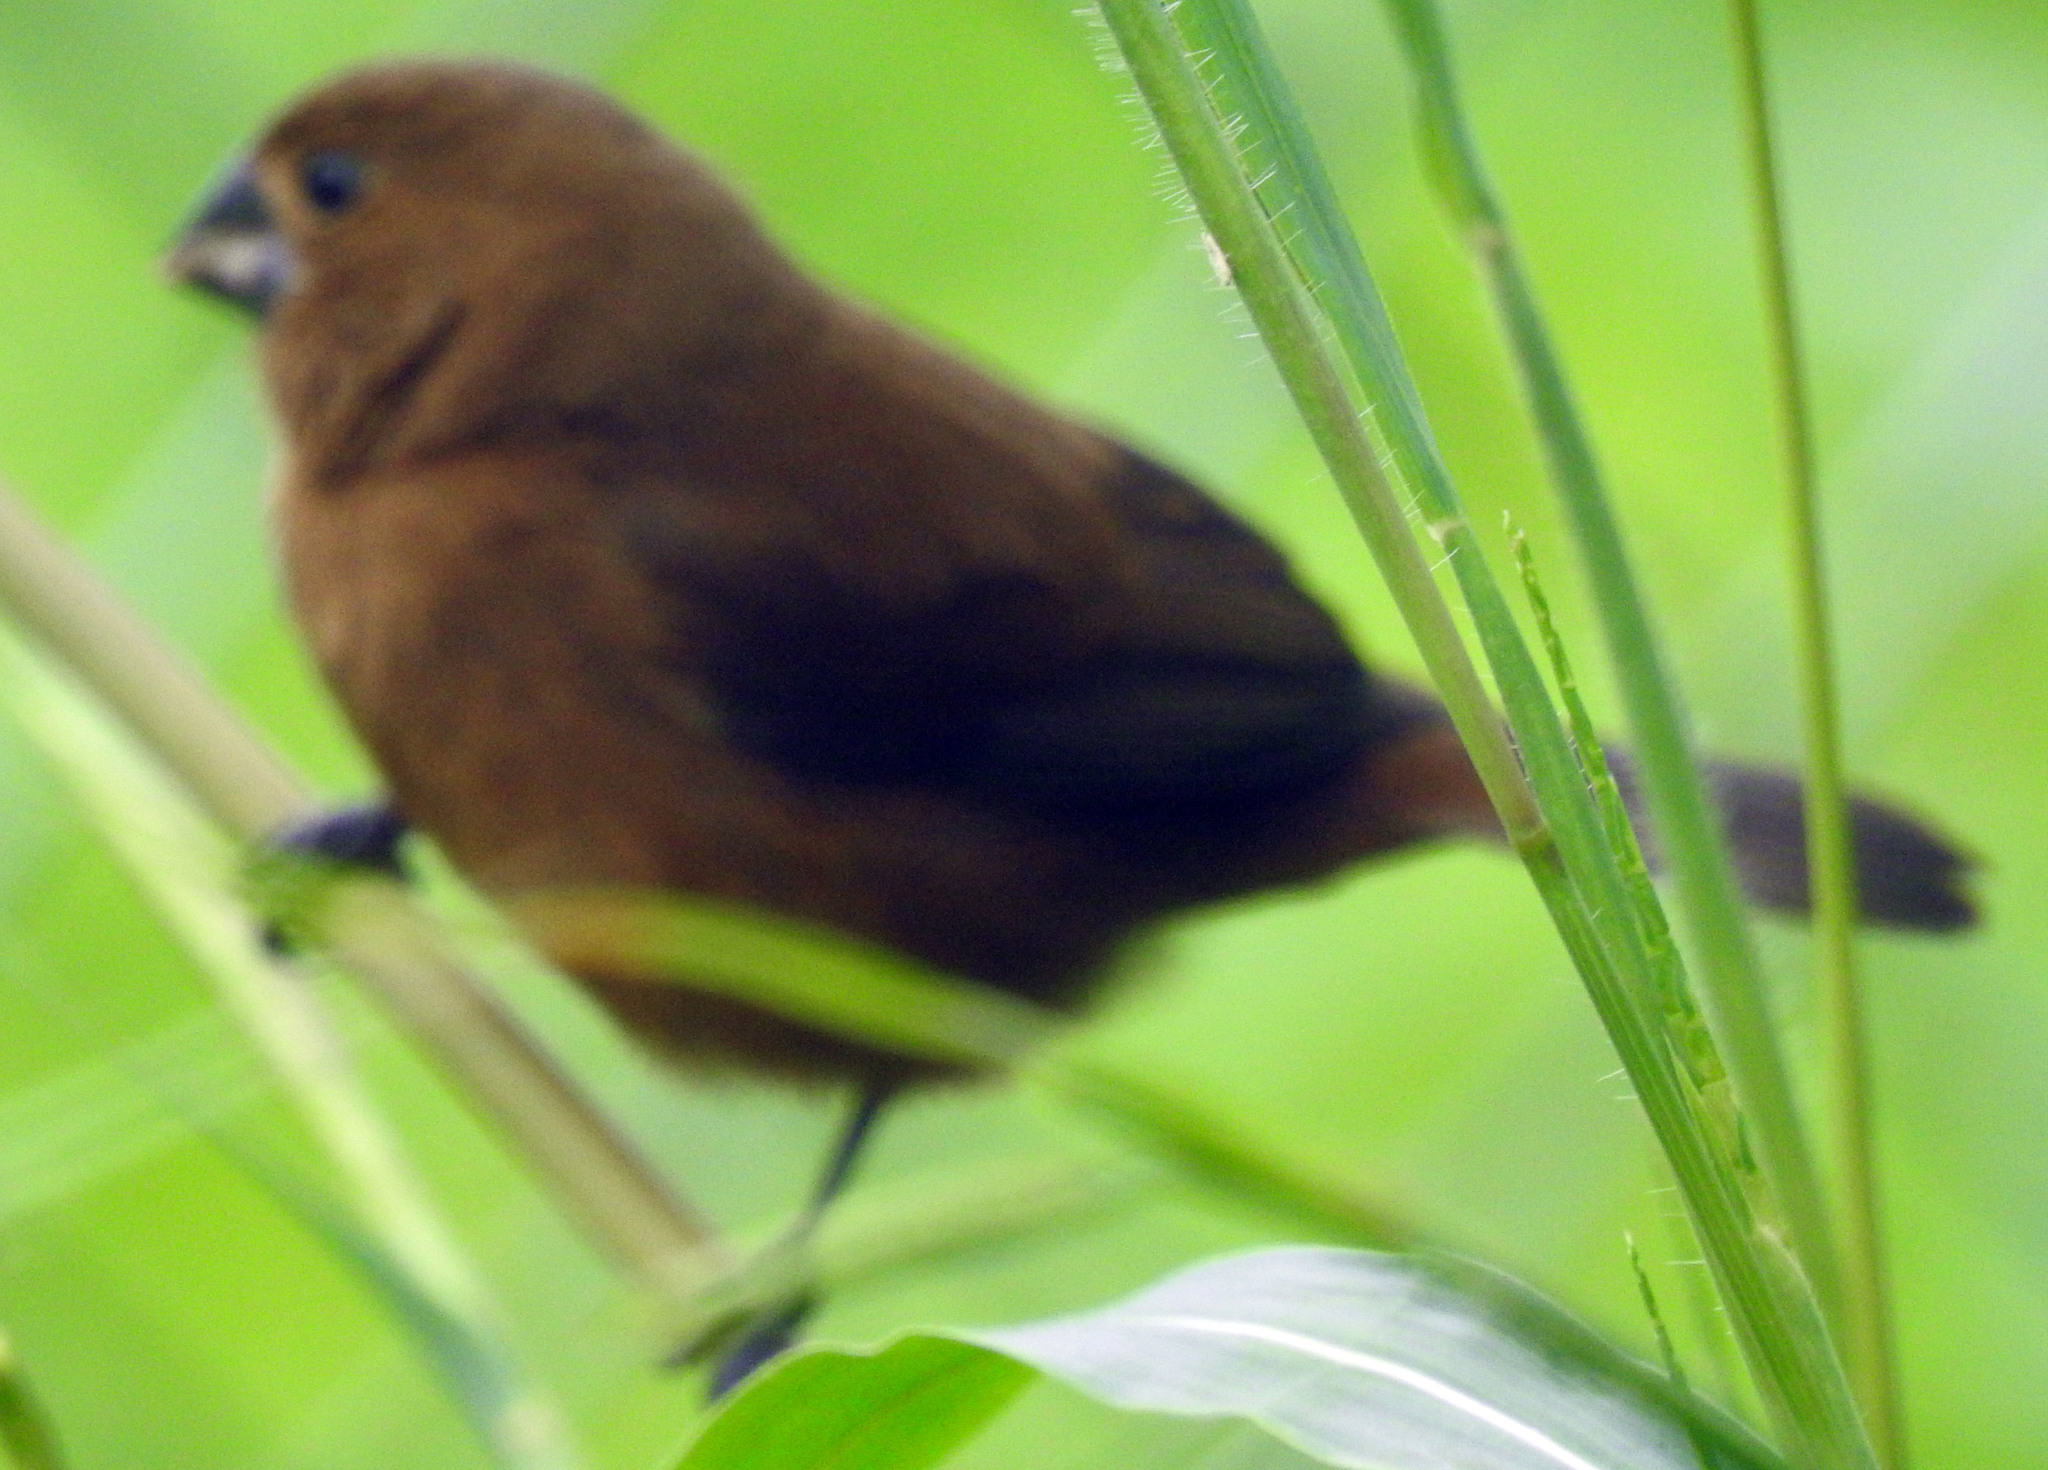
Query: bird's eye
{"type": "Point", "coordinates": [332, 181]}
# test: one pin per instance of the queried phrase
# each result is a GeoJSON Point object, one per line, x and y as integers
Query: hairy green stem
{"type": "Point", "coordinates": [1265, 279]}
{"type": "Point", "coordinates": [1676, 1071]}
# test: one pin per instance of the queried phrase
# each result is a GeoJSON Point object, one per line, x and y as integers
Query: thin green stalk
{"type": "Point", "coordinates": [61, 603]}
{"type": "Point", "coordinates": [592, 1170]}
{"type": "Point", "coordinates": [1830, 855]}
{"type": "Point", "coordinates": [889, 1002]}
{"type": "Point", "coordinates": [1731, 976]}
{"type": "Point", "coordinates": [1667, 1354]}
{"type": "Point", "coordinates": [1675, 1003]}
{"type": "Point", "coordinates": [189, 873]}
{"type": "Point", "coordinates": [838, 983]}
{"type": "Point", "coordinates": [1676, 1074]}
{"type": "Point", "coordinates": [595, 1174]}
{"type": "Point", "coordinates": [876, 1230]}
{"type": "Point", "coordinates": [1210, 1148]}
{"type": "Point", "coordinates": [1241, 225]}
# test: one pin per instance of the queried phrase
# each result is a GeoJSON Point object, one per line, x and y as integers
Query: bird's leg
{"type": "Point", "coordinates": [772, 1330]}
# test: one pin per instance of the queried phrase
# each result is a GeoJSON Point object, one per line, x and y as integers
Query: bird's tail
{"type": "Point", "coordinates": [1908, 876]}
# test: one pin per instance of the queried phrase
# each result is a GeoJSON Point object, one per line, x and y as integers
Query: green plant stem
{"type": "Point", "coordinates": [52, 596]}
{"type": "Point", "coordinates": [837, 983]}
{"type": "Point", "coordinates": [596, 1175]}
{"type": "Point", "coordinates": [591, 1169]}
{"type": "Point", "coordinates": [1830, 855]}
{"type": "Point", "coordinates": [1565, 846]}
{"type": "Point", "coordinates": [914, 1222]}
{"type": "Point", "coordinates": [1770, 1301]}
{"type": "Point", "coordinates": [1209, 1148]}
{"type": "Point", "coordinates": [1731, 978]}
{"type": "Point", "coordinates": [875, 1230]}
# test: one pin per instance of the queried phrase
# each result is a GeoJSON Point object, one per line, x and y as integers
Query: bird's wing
{"type": "Point", "coordinates": [1225, 684]}
{"type": "Point", "coordinates": [1177, 672]}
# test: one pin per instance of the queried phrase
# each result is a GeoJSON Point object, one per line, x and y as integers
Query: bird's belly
{"type": "Point", "coordinates": [566, 805]}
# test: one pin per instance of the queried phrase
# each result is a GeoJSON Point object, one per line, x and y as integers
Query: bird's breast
{"type": "Point", "coordinates": [523, 688]}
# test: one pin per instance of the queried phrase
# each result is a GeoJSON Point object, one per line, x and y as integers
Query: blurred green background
{"type": "Point", "coordinates": [971, 165]}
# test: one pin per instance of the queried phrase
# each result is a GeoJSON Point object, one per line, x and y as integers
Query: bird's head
{"type": "Point", "coordinates": [440, 249]}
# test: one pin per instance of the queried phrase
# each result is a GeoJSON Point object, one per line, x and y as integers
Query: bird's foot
{"type": "Point", "coordinates": [364, 837]}
{"type": "Point", "coordinates": [761, 1339]}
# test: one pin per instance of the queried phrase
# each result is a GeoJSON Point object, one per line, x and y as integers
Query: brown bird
{"type": "Point", "coordinates": [638, 557]}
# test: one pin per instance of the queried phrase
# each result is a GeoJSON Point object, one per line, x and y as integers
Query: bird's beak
{"type": "Point", "coordinates": [232, 248]}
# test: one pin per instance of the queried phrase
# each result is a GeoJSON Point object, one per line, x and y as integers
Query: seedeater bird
{"type": "Point", "coordinates": [638, 557]}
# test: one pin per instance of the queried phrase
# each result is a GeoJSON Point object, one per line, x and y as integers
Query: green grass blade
{"type": "Point", "coordinates": [1265, 278]}
{"type": "Point", "coordinates": [1673, 994]}
{"type": "Point", "coordinates": [1866, 1328]}
{"type": "Point", "coordinates": [1731, 977]}
{"type": "Point", "coordinates": [1667, 1353]}
{"type": "Point", "coordinates": [1382, 438]}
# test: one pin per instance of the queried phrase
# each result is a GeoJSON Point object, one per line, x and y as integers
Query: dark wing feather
{"type": "Point", "coordinates": [1227, 686]}
{"type": "Point", "coordinates": [1197, 680]}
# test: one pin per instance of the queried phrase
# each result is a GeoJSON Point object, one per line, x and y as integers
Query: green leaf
{"type": "Point", "coordinates": [1372, 1360]}
{"type": "Point", "coordinates": [901, 1408]}
{"type": "Point", "coordinates": [1354, 1358]}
